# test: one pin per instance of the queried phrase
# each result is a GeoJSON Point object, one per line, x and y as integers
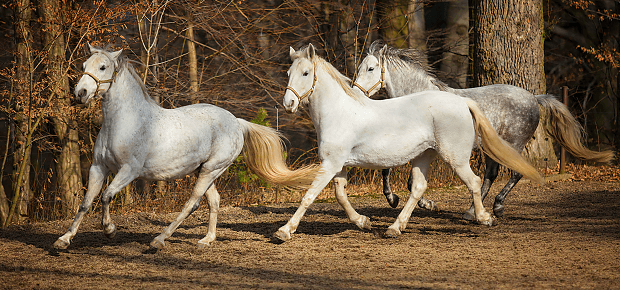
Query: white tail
{"type": "Point", "coordinates": [498, 149]}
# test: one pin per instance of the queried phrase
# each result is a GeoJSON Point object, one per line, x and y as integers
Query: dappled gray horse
{"type": "Point", "coordinates": [140, 139]}
{"type": "Point", "coordinates": [512, 111]}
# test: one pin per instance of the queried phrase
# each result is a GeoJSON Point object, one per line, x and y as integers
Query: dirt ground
{"type": "Point", "coordinates": [562, 236]}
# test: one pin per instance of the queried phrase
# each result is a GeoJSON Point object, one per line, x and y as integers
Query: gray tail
{"type": "Point", "coordinates": [564, 128]}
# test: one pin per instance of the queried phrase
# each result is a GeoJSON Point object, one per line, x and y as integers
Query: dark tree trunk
{"type": "Point", "coordinates": [68, 171]}
{"type": "Point", "coordinates": [508, 49]}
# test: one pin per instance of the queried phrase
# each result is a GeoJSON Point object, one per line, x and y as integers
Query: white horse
{"type": "Point", "coordinates": [140, 139]}
{"type": "Point", "coordinates": [512, 111]}
{"type": "Point", "coordinates": [354, 130]}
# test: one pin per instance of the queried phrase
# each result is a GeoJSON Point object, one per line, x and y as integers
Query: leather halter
{"type": "Point", "coordinates": [99, 82]}
{"type": "Point", "coordinates": [379, 82]}
{"type": "Point", "coordinates": [308, 93]}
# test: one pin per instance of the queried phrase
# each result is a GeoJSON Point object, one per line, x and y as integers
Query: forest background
{"type": "Point", "coordinates": [234, 54]}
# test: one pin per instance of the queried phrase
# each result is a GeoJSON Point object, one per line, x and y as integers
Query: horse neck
{"type": "Point", "coordinates": [329, 101]}
{"type": "Point", "coordinates": [126, 97]}
{"type": "Point", "coordinates": [408, 80]}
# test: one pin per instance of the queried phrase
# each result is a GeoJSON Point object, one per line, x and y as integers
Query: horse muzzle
{"type": "Point", "coordinates": [289, 102]}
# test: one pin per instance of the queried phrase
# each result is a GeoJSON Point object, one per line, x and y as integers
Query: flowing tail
{"type": "Point", "coordinates": [564, 128]}
{"type": "Point", "coordinates": [263, 152]}
{"type": "Point", "coordinates": [498, 149]}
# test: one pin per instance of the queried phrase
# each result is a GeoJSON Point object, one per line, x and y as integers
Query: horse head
{"type": "Point", "coordinates": [302, 77]}
{"type": "Point", "coordinates": [371, 73]}
{"type": "Point", "coordinates": [100, 71]}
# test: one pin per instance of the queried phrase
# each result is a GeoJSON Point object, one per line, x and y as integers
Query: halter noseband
{"type": "Point", "coordinates": [99, 82]}
{"type": "Point", "coordinates": [379, 82]}
{"type": "Point", "coordinates": [308, 93]}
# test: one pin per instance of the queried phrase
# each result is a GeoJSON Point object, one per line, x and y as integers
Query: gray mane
{"type": "Point", "coordinates": [409, 60]}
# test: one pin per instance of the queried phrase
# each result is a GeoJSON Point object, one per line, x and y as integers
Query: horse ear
{"type": "Point", "coordinates": [116, 54]}
{"type": "Point", "coordinates": [292, 53]}
{"type": "Point", "coordinates": [311, 51]}
{"type": "Point", "coordinates": [383, 49]}
{"type": "Point", "coordinates": [89, 48]}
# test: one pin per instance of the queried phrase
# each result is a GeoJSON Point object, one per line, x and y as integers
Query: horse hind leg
{"type": "Point", "coordinates": [490, 174]}
{"type": "Point", "coordinates": [213, 199]}
{"type": "Point", "coordinates": [205, 180]}
{"type": "Point", "coordinates": [340, 181]}
{"type": "Point", "coordinates": [326, 173]}
{"type": "Point", "coordinates": [498, 205]}
{"type": "Point", "coordinates": [473, 184]}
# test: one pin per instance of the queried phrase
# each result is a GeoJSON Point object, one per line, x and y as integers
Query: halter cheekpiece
{"type": "Point", "coordinates": [99, 82]}
{"type": "Point", "coordinates": [379, 82]}
{"type": "Point", "coordinates": [308, 93]}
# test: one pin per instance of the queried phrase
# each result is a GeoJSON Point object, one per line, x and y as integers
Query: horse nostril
{"type": "Point", "coordinates": [81, 93]}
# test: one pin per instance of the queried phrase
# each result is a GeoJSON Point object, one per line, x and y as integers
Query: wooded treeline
{"type": "Point", "coordinates": [234, 54]}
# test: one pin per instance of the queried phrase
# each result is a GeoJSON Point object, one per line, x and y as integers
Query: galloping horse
{"type": "Point", "coordinates": [354, 130]}
{"type": "Point", "coordinates": [512, 111]}
{"type": "Point", "coordinates": [140, 139]}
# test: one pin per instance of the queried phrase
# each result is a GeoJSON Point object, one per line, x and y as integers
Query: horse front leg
{"type": "Point", "coordinates": [392, 198]}
{"type": "Point", "coordinates": [419, 171]}
{"type": "Point", "coordinates": [124, 176]}
{"type": "Point", "coordinates": [340, 182]}
{"type": "Point", "coordinates": [320, 181]}
{"type": "Point", "coordinates": [422, 202]}
{"type": "Point", "coordinates": [96, 176]}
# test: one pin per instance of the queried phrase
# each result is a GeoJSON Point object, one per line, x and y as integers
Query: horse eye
{"type": "Point", "coordinates": [305, 74]}
{"type": "Point", "coordinates": [102, 67]}
{"type": "Point", "coordinates": [371, 68]}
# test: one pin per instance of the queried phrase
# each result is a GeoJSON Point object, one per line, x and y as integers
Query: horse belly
{"type": "Point", "coordinates": [213, 145]}
{"type": "Point", "coordinates": [386, 154]}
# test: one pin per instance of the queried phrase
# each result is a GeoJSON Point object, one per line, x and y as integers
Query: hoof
{"type": "Point", "coordinates": [282, 236]}
{"type": "Point", "coordinates": [204, 243]}
{"type": "Point", "coordinates": [491, 221]}
{"type": "Point", "coordinates": [391, 233]}
{"type": "Point", "coordinates": [110, 231]}
{"type": "Point", "coordinates": [61, 244]}
{"type": "Point", "coordinates": [498, 210]}
{"type": "Point", "coordinates": [428, 205]}
{"type": "Point", "coordinates": [392, 199]}
{"type": "Point", "coordinates": [365, 224]}
{"type": "Point", "coordinates": [157, 243]}
{"type": "Point", "coordinates": [469, 215]}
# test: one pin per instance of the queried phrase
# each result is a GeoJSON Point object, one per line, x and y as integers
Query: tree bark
{"type": "Point", "coordinates": [416, 25]}
{"type": "Point", "coordinates": [508, 49]}
{"type": "Point", "coordinates": [348, 36]}
{"type": "Point", "coordinates": [22, 193]}
{"type": "Point", "coordinates": [193, 62]}
{"type": "Point", "coordinates": [395, 25]}
{"type": "Point", "coordinates": [455, 61]}
{"type": "Point", "coordinates": [68, 173]}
